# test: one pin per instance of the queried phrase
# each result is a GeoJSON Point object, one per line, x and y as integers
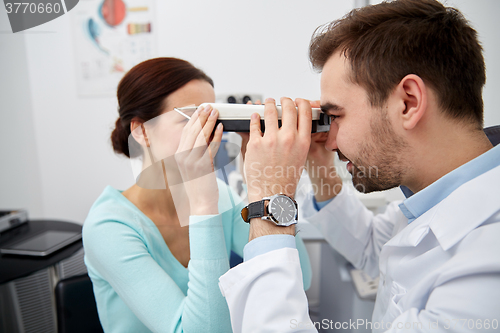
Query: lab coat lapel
{"type": "Point", "coordinates": [412, 234]}
{"type": "Point", "coordinates": [467, 208]}
{"type": "Point", "coordinates": [453, 218]}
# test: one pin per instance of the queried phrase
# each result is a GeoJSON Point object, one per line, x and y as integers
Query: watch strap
{"type": "Point", "coordinates": [256, 209]}
{"type": "Point", "coordinates": [253, 210]}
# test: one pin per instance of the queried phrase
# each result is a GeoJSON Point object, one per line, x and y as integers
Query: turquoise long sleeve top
{"type": "Point", "coordinates": [140, 286]}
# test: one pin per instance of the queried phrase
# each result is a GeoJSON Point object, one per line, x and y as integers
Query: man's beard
{"type": "Point", "coordinates": [378, 166]}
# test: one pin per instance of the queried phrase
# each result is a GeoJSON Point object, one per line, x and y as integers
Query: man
{"type": "Point", "coordinates": [402, 82]}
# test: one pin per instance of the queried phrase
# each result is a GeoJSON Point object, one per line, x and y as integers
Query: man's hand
{"type": "Point", "coordinates": [275, 160]}
{"type": "Point", "coordinates": [244, 141]}
{"type": "Point", "coordinates": [321, 166]}
{"type": "Point", "coordinates": [321, 169]}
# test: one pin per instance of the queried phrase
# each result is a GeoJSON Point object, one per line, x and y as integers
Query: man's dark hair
{"type": "Point", "coordinates": [383, 43]}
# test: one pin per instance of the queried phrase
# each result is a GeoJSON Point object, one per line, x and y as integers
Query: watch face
{"type": "Point", "coordinates": [283, 209]}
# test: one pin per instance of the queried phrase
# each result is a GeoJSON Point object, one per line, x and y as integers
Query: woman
{"type": "Point", "coordinates": [151, 272]}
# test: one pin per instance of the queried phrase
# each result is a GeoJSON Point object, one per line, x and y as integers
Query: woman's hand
{"type": "Point", "coordinates": [195, 156]}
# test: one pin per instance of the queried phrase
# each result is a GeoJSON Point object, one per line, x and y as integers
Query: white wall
{"type": "Point", "coordinates": [256, 46]}
{"type": "Point", "coordinates": [483, 15]}
{"type": "Point", "coordinates": [56, 155]}
{"type": "Point", "coordinates": [20, 185]}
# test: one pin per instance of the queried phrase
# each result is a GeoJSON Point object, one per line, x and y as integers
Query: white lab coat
{"type": "Point", "coordinates": [441, 273]}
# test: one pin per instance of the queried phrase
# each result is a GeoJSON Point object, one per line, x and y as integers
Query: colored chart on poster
{"type": "Point", "coordinates": [111, 36]}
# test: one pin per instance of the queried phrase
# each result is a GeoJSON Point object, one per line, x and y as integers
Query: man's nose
{"type": "Point", "coordinates": [331, 141]}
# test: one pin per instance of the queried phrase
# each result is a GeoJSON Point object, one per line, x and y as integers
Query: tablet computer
{"type": "Point", "coordinates": [42, 244]}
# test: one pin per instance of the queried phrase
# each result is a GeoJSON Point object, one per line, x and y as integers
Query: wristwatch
{"type": "Point", "coordinates": [281, 210]}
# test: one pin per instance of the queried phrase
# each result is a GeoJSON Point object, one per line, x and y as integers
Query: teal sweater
{"type": "Point", "coordinates": [140, 286]}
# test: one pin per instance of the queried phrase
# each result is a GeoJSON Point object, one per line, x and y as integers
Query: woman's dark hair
{"type": "Point", "coordinates": [385, 42]}
{"type": "Point", "coordinates": [142, 91]}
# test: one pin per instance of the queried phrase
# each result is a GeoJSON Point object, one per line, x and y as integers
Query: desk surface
{"type": "Point", "coordinates": [14, 266]}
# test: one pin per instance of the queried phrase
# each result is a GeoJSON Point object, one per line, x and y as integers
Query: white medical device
{"type": "Point", "coordinates": [12, 218]}
{"type": "Point", "coordinates": [236, 117]}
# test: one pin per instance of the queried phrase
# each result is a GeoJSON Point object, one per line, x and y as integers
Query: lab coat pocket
{"type": "Point", "coordinates": [394, 308]}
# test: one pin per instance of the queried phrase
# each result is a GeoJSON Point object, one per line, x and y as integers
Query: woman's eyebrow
{"type": "Point", "coordinates": [329, 107]}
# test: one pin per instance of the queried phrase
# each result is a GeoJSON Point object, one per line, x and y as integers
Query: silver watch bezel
{"type": "Point", "coordinates": [270, 216]}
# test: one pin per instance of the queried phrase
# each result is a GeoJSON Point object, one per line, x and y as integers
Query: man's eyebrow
{"type": "Point", "coordinates": [329, 107]}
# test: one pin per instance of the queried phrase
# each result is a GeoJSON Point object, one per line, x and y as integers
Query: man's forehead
{"type": "Point", "coordinates": [336, 67]}
{"type": "Point", "coordinates": [334, 78]}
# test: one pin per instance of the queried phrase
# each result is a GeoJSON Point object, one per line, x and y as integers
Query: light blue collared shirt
{"type": "Point", "coordinates": [264, 244]}
{"type": "Point", "coordinates": [412, 207]}
{"type": "Point", "coordinates": [320, 204]}
{"type": "Point", "coordinates": [420, 202]}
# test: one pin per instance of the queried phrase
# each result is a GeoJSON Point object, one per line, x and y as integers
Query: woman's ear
{"type": "Point", "coordinates": [413, 93]}
{"type": "Point", "coordinates": [138, 132]}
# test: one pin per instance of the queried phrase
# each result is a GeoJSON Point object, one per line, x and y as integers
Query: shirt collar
{"type": "Point", "coordinates": [421, 202]}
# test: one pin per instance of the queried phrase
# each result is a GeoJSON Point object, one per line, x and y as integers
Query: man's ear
{"type": "Point", "coordinates": [413, 93]}
{"type": "Point", "coordinates": [138, 132]}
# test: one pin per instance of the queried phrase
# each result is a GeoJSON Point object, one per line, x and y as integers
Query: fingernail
{"type": "Point", "coordinates": [219, 127]}
{"type": "Point", "coordinates": [255, 116]}
{"type": "Point", "coordinates": [212, 113]}
{"type": "Point", "coordinates": [208, 108]}
{"type": "Point", "coordinates": [199, 108]}
{"type": "Point", "coordinates": [269, 99]}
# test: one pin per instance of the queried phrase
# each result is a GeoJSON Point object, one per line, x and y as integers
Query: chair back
{"type": "Point", "coordinates": [493, 134]}
{"type": "Point", "coordinates": [75, 306]}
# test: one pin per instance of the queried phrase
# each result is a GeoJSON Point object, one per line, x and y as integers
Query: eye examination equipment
{"type": "Point", "coordinates": [12, 218]}
{"type": "Point", "coordinates": [236, 117]}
